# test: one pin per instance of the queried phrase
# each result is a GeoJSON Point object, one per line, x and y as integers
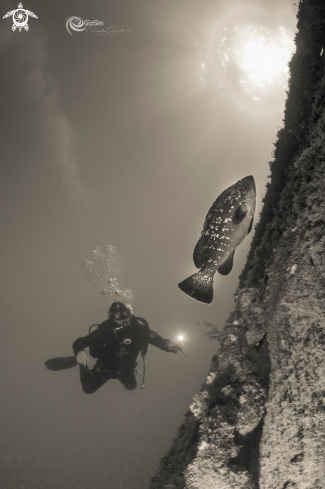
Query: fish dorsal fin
{"type": "Point", "coordinates": [240, 214]}
{"type": "Point", "coordinates": [199, 253]}
{"type": "Point", "coordinates": [250, 226]}
{"type": "Point", "coordinates": [226, 267]}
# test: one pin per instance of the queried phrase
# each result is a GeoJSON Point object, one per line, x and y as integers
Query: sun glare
{"type": "Point", "coordinates": [262, 58]}
{"type": "Point", "coordinates": [247, 58]}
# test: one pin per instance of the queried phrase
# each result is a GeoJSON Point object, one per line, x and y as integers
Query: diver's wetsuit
{"type": "Point", "coordinates": [116, 347]}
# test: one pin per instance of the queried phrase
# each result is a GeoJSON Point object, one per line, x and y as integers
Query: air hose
{"type": "Point", "coordinates": [144, 372]}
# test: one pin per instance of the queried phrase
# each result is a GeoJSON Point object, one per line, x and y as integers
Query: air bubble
{"type": "Point", "coordinates": [101, 273]}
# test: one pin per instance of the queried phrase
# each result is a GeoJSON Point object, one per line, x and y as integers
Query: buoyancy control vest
{"type": "Point", "coordinates": [132, 335]}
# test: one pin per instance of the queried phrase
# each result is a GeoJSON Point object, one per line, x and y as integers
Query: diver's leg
{"type": "Point", "coordinates": [91, 380]}
{"type": "Point", "coordinates": [128, 380]}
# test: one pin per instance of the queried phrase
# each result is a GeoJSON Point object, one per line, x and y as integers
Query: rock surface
{"type": "Point", "coordinates": [259, 420]}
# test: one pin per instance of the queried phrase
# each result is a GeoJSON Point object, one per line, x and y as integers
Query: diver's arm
{"type": "Point", "coordinates": [91, 339]}
{"type": "Point", "coordinates": [79, 350]}
{"type": "Point", "coordinates": [82, 358]}
{"type": "Point", "coordinates": [159, 342]}
{"type": "Point", "coordinates": [80, 344]}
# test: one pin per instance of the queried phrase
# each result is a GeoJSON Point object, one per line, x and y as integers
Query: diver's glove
{"type": "Point", "coordinates": [82, 358]}
{"type": "Point", "coordinates": [172, 346]}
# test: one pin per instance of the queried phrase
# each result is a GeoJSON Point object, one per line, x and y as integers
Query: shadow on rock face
{"type": "Point", "coordinates": [264, 362]}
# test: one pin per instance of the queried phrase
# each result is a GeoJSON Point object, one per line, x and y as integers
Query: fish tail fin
{"type": "Point", "coordinates": [199, 286]}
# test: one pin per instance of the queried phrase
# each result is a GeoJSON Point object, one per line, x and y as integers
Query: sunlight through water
{"type": "Point", "coordinates": [246, 59]}
{"type": "Point", "coordinates": [262, 57]}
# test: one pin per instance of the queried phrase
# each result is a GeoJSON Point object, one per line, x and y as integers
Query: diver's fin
{"type": "Point", "coordinates": [199, 286]}
{"type": "Point", "coordinates": [199, 253]}
{"type": "Point", "coordinates": [226, 267]}
{"type": "Point", "coordinates": [240, 214]}
{"type": "Point", "coordinates": [250, 226]}
{"type": "Point", "coordinates": [61, 363]}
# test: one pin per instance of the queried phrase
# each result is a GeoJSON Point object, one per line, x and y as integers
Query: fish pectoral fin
{"type": "Point", "coordinates": [240, 214]}
{"type": "Point", "coordinates": [226, 267]}
{"type": "Point", "coordinates": [250, 226]}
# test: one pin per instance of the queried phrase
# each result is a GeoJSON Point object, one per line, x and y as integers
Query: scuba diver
{"type": "Point", "coordinates": [116, 344]}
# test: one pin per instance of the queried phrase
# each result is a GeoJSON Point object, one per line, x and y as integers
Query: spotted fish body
{"type": "Point", "coordinates": [229, 220]}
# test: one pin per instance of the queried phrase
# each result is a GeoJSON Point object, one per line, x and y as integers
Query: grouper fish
{"type": "Point", "coordinates": [229, 220]}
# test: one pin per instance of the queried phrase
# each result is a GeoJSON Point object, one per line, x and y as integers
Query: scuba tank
{"type": "Point", "coordinates": [90, 327]}
{"type": "Point", "coordinates": [144, 348]}
{"type": "Point", "coordinates": [93, 352]}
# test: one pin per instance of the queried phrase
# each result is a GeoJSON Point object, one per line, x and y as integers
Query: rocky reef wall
{"type": "Point", "coordinates": [259, 419]}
